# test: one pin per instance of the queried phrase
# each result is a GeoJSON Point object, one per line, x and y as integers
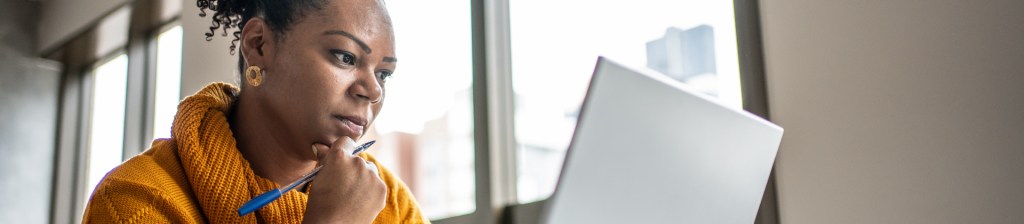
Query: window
{"type": "Point", "coordinates": [168, 81]}
{"type": "Point", "coordinates": [554, 53]}
{"type": "Point", "coordinates": [106, 122]}
{"type": "Point", "coordinates": [426, 126]}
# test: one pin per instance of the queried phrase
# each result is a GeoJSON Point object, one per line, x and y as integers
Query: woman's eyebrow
{"type": "Point", "coordinates": [366, 48]}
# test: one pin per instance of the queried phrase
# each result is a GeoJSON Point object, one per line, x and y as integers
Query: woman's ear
{"type": "Point", "coordinates": [255, 41]}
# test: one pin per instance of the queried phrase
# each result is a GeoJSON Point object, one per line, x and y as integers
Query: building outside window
{"type": "Point", "coordinates": [425, 129]}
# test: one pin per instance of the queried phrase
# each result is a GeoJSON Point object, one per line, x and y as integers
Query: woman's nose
{"type": "Point", "coordinates": [366, 87]}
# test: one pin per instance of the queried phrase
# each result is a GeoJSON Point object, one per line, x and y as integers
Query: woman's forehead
{"type": "Point", "coordinates": [363, 18]}
{"type": "Point", "coordinates": [365, 11]}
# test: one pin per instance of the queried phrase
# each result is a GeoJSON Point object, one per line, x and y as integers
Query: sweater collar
{"type": "Point", "coordinates": [220, 177]}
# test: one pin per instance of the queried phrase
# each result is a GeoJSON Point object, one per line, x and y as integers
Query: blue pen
{"type": "Point", "coordinates": [265, 198]}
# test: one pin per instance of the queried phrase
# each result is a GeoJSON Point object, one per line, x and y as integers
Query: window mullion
{"type": "Point", "coordinates": [500, 104]}
{"type": "Point", "coordinates": [493, 107]}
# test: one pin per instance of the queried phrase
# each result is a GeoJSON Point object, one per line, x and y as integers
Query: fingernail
{"type": "Point", "coordinates": [349, 146]}
{"type": "Point", "coordinates": [315, 152]}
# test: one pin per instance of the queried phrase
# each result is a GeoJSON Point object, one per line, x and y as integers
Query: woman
{"type": "Point", "coordinates": [314, 73]}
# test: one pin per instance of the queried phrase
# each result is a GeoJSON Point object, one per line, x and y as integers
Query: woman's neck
{"type": "Point", "coordinates": [269, 154]}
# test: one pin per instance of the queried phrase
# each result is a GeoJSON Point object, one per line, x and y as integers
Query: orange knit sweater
{"type": "Point", "coordinates": [199, 176]}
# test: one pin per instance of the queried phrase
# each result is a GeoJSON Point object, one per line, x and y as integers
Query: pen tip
{"type": "Point", "coordinates": [363, 147]}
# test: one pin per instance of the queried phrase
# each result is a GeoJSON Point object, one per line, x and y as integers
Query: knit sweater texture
{"type": "Point", "coordinates": [199, 176]}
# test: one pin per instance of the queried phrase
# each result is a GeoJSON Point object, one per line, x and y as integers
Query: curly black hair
{"type": "Point", "coordinates": [279, 14]}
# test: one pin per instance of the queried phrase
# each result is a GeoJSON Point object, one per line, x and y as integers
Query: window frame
{"type": "Point", "coordinates": [494, 143]}
{"type": "Point", "coordinates": [78, 57]}
{"type": "Point", "coordinates": [497, 49]}
{"type": "Point", "coordinates": [144, 29]}
{"type": "Point", "coordinates": [754, 88]}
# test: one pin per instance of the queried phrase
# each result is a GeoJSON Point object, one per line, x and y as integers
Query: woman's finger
{"type": "Point", "coordinates": [344, 144]}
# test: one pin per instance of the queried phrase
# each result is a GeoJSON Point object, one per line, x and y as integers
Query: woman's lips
{"type": "Point", "coordinates": [353, 126]}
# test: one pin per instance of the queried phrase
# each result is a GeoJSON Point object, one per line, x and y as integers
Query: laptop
{"type": "Point", "coordinates": [648, 149]}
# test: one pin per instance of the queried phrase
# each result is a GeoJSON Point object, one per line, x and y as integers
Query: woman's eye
{"type": "Point", "coordinates": [384, 75]}
{"type": "Point", "coordinates": [345, 57]}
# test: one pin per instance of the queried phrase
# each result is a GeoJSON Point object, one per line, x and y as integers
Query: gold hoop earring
{"type": "Point", "coordinates": [254, 75]}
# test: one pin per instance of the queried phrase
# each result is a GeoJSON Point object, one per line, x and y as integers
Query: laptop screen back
{"type": "Point", "coordinates": [648, 150]}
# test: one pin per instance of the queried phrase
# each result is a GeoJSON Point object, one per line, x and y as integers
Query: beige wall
{"type": "Point", "coordinates": [203, 61]}
{"type": "Point", "coordinates": [898, 111]}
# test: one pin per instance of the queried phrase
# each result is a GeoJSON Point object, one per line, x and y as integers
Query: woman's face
{"type": "Point", "coordinates": [325, 77]}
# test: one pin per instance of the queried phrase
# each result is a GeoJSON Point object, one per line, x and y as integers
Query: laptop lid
{"type": "Point", "coordinates": [649, 150]}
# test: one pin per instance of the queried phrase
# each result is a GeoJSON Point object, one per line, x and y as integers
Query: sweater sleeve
{"type": "Point", "coordinates": [143, 190]}
{"type": "Point", "coordinates": [401, 206]}
{"type": "Point", "coordinates": [121, 202]}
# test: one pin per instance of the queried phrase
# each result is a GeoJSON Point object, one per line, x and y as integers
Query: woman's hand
{"type": "Point", "coordinates": [347, 189]}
